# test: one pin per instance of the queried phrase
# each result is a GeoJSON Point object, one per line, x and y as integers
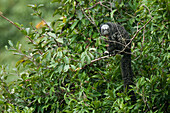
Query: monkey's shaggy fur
{"type": "Point", "coordinates": [118, 38]}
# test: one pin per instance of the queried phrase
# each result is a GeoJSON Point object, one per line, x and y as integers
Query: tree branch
{"type": "Point", "coordinates": [18, 28]}
{"type": "Point", "coordinates": [88, 17]}
{"type": "Point", "coordinates": [138, 30]}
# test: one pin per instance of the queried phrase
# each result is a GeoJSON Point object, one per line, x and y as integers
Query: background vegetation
{"type": "Point", "coordinates": [65, 71]}
{"type": "Point", "coordinates": [17, 11]}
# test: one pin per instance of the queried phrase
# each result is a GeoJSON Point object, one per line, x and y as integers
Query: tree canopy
{"type": "Point", "coordinates": [65, 69]}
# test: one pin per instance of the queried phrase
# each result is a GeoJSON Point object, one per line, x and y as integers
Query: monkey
{"type": "Point", "coordinates": [117, 36]}
{"type": "Point", "coordinates": [120, 43]}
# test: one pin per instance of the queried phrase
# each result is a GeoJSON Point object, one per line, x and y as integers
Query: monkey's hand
{"type": "Point", "coordinates": [106, 53]}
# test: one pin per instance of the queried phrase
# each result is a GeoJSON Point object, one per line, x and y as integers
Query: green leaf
{"type": "Point", "coordinates": [92, 49]}
{"type": "Point", "coordinates": [32, 6]}
{"type": "Point", "coordinates": [51, 91]}
{"type": "Point", "coordinates": [66, 68]}
{"type": "Point", "coordinates": [24, 31]}
{"type": "Point", "coordinates": [6, 47]}
{"type": "Point", "coordinates": [91, 55]}
{"type": "Point", "coordinates": [79, 14]}
{"type": "Point", "coordinates": [66, 60]}
{"type": "Point", "coordinates": [41, 5]}
{"type": "Point", "coordinates": [60, 68]}
{"type": "Point", "coordinates": [73, 67]}
{"type": "Point", "coordinates": [28, 30]}
{"type": "Point", "coordinates": [74, 24]}
{"type": "Point", "coordinates": [88, 59]}
{"type": "Point", "coordinates": [60, 40]}
{"type": "Point", "coordinates": [10, 43]}
{"type": "Point", "coordinates": [39, 100]}
{"type": "Point", "coordinates": [59, 54]}
{"type": "Point", "coordinates": [112, 13]}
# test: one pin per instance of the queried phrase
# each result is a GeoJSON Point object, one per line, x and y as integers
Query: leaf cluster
{"type": "Point", "coordinates": [60, 74]}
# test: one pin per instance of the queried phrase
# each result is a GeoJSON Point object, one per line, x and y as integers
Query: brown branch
{"type": "Point", "coordinates": [99, 3]}
{"type": "Point", "coordinates": [105, 6]}
{"type": "Point", "coordinates": [10, 21]}
{"type": "Point", "coordinates": [115, 42]}
{"type": "Point", "coordinates": [19, 29]}
{"type": "Point", "coordinates": [43, 20]}
{"type": "Point", "coordinates": [138, 30]}
{"type": "Point", "coordinates": [143, 36]}
{"type": "Point", "coordinates": [16, 26]}
{"type": "Point", "coordinates": [93, 6]}
{"type": "Point", "coordinates": [88, 17]}
{"type": "Point", "coordinates": [97, 59]}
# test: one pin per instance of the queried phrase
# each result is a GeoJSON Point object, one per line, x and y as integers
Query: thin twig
{"type": "Point", "coordinates": [11, 22]}
{"type": "Point", "coordinates": [93, 6]}
{"type": "Point", "coordinates": [105, 6]}
{"type": "Point", "coordinates": [20, 30]}
{"type": "Point", "coordinates": [100, 3]}
{"type": "Point", "coordinates": [88, 17]}
{"type": "Point", "coordinates": [138, 30]}
{"type": "Point", "coordinates": [115, 42]}
{"type": "Point", "coordinates": [16, 26]}
{"type": "Point", "coordinates": [143, 36]}
{"type": "Point", "coordinates": [43, 20]}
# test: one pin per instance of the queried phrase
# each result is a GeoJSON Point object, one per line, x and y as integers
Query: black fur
{"type": "Point", "coordinates": [118, 38]}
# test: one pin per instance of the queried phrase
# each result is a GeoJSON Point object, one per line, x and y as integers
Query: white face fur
{"type": "Point", "coordinates": [105, 29]}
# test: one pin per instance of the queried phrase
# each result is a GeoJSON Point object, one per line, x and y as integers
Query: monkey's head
{"type": "Point", "coordinates": [105, 29]}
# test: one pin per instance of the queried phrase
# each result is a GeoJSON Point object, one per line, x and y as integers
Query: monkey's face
{"type": "Point", "coordinates": [105, 30]}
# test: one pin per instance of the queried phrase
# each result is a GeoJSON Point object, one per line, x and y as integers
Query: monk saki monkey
{"type": "Point", "coordinates": [119, 43]}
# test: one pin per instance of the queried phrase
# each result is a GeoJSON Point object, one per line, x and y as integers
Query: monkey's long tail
{"type": "Point", "coordinates": [127, 75]}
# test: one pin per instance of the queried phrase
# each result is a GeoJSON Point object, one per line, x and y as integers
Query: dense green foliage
{"type": "Point", "coordinates": [64, 70]}
{"type": "Point", "coordinates": [17, 11]}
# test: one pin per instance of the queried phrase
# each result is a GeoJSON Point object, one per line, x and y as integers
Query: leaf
{"type": "Point", "coordinates": [60, 40]}
{"type": "Point", "coordinates": [83, 60]}
{"type": "Point", "coordinates": [48, 56]}
{"type": "Point", "coordinates": [92, 49]}
{"type": "Point", "coordinates": [32, 6]}
{"type": "Point", "coordinates": [60, 68]}
{"type": "Point", "coordinates": [91, 55]}
{"type": "Point", "coordinates": [10, 43]}
{"type": "Point", "coordinates": [59, 54]}
{"type": "Point", "coordinates": [51, 91]}
{"type": "Point", "coordinates": [73, 67]}
{"type": "Point", "coordinates": [112, 13]}
{"type": "Point", "coordinates": [18, 46]}
{"type": "Point", "coordinates": [79, 14]}
{"type": "Point", "coordinates": [6, 47]}
{"type": "Point", "coordinates": [66, 60]}
{"type": "Point", "coordinates": [88, 59]}
{"type": "Point", "coordinates": [66, 68]}
{"type": "Point", "coordinates": [74, 24]}
{"type": "Point", "coordinates": [24, 31]}
{"type": "Point", "coordinates": [19, 62]}
{"type": "Point", "coordinates": [39, 100]}
{"type": "Point", "coordinates": [41, 5]}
